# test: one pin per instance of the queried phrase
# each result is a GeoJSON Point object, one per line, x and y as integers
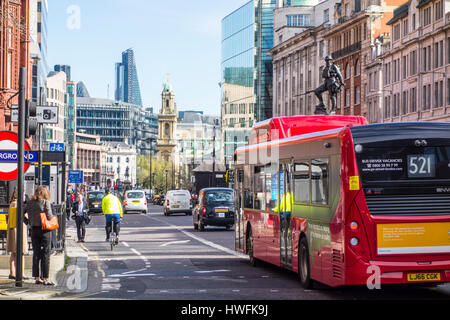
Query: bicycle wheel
{"type": "Point", "coordinates": [112, 236]}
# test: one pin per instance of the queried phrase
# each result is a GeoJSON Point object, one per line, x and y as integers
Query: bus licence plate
{"type": "Point", "coordinates": [414, 277]}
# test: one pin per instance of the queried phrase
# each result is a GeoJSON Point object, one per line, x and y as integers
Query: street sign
{"type": "Point", "coordinates": [47, 114]}
{"type": "Point", "coordinates": [57, 147]}
{"type": "Point", "coordinates": [15, 113]}
{"type": "Point", "coordinates": [45, 175]}
{"type": "Point", "coordinates": [8, 147]}
{"type": "Point", "coordinates": [11, 156]}
{"type": "Point", "coordinates": [76, 176]}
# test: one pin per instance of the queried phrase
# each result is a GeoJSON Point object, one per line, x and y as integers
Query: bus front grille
{"type": "Point", "coordinates": [409, 205]}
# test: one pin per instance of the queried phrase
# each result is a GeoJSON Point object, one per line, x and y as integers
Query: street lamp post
{"type": "Point", "coordinates": [167, 171]}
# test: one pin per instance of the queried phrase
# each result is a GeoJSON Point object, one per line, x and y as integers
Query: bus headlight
{"type": "Point", "coordinates": [354, 242]}
{"type": "Point", "coordinates": [354, 226]}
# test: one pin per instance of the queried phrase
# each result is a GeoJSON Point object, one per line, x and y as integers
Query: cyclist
{"type": "Point", "coordinates": [112, 209]}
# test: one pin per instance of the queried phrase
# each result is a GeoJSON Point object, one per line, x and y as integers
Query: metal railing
{"type": "Point", "coordinates": [58, 236]}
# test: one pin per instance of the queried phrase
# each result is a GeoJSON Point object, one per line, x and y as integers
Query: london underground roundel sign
{"type": "Point", "coordinates": [8, 155]}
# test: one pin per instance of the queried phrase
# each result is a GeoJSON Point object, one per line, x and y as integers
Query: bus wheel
{"type": "Point", "coordinates": [304, 270]}
{"type": "Point", "coordinates": [253, 260]}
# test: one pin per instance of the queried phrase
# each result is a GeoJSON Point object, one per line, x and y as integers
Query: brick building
{"type": "Point", "coordinates": [14, 54]}
{"type": "Point", "coordinates": [416, 63]}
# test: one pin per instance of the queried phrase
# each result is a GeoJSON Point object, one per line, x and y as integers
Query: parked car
{"type": "Point", "coordinates": [135, 201]}
{"type": "Point", "coordinates": [215, 208]}
{"type": "Point", "coordinates": [178, 201]}
{"type": "Point", "coordinates": [95, 201]}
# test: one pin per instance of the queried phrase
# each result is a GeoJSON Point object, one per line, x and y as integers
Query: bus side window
{"type": "Point", "coordinates": [301, 177]}
{"type": "Point", "coordinates": [319, 181]}
{"type": "Point", "coordinates": [259, 184]}
{"type": "Point", "coordinates": [248, 199]}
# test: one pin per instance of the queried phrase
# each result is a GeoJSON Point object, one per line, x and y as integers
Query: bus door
{"type": "Point", "coordinates": [239, 211]}
{"type": "Point", "coordinates": [285, 215]}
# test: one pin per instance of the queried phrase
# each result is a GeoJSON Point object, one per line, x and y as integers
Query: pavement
{"type": "Point", "coordinates": [68, 271]}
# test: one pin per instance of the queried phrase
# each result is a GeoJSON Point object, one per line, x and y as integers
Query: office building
{"type": "Point", "coordinates": [89, 154]}
{"type": "Point", "coordinates": [127, 83]}
{"type": "Point", "coordinates": [246, 87]}
{"type": "Point", "coordinates": [118, 164]}
{"type": "Point", "coordinates": [38, 49]}
{"type": "Point", "coordinates": [56, 96]}
{"type": "Point", "coordinates": [71, 124]}
{"type": "Point", "coordinates": [416, 64]}
{"type": "Point", "coordinates": [66, 69]}
{"type": "Point", "coordinates": [82, 91]}
{"type": "Point", "coordinates": [116, 121]}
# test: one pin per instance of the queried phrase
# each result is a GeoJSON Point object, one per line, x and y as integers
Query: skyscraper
{"type": "Point", "coordinates": [127, 83]}
{"type": "Point", "coordinates": [247, 36]}
{"type": "Point", "coordinates": [38, 49]}
{"type": "Point", "coordinates": [65, 69]}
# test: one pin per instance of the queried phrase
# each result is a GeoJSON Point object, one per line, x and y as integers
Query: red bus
{"type": "Point", "coordinates": [337, 200]}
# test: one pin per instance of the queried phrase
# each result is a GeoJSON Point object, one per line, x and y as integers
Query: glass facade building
{"type": "Point", "coordinates": [127, 83]}
{"type": "Point", "coordinates": [38, 49]}
{"type": "Point", "coordinates": [247, 36]}
{"type": "Point", "coordinates": [71, 123]}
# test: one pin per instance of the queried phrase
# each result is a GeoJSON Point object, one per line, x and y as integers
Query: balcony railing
{"type": "Point", "coordinates": [347, 50]}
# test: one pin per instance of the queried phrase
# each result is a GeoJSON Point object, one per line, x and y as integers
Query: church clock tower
{"type": "Point", "coordinates": [167, 121]}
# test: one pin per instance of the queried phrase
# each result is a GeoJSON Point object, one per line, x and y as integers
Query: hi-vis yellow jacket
{"type": "Point", "coordinates": [111, 205]}
{"type": "Point", "coordinates": [286, 198]}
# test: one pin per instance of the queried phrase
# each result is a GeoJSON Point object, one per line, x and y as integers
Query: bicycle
{"type": "Point", "coordinates": [112, 236]}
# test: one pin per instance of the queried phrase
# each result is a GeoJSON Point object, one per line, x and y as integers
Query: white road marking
{"type": "Point", "coordinates": [134, 275]}
{"type": "Point", "coordinates": [213, 271]}
{"type": "Point", "coordinates": [129, 272]}
{"type": "Point", "coordinates": [174, 242]}
{"type": "Point", "coordinates": [126, 244]}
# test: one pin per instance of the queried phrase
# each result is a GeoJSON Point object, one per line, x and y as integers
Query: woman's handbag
{"type": "Point", "coordinates": [49, 225]}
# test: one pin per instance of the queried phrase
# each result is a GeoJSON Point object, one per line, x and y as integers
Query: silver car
{"type": "Point", "coordinates": [135, 201]}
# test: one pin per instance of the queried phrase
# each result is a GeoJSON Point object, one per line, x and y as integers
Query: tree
{"type": "Point", "coordinates": [158, 172]}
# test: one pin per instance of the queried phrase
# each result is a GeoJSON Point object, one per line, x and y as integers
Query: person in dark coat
{"type": "Point", "coordinates": [80, 209]}
{"type": "Point", "coordinates": [69, 203]}
{"type": "Point", "coordinates": [41, 239]}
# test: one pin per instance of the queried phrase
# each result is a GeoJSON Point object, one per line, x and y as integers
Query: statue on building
{"type": "Point", "coordinates": [333, 83]}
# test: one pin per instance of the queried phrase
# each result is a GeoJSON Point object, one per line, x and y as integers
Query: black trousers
{"type": "Point", "coordinates": [81, 228]}
{"type": "Point", "coordinates": [116, 228]}
{"type": "Point", "coordinates": [41, 241]}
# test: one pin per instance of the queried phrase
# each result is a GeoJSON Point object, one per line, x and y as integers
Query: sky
{"type": "Point", "coordinates": [176, 37]}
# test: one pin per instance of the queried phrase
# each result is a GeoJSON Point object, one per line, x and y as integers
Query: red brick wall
{"type": "Point", "coordinates": [13, 11]}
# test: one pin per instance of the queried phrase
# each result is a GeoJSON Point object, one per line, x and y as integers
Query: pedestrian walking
{"type": "Point", "coordinates": [40, 239]}
{"type": "Point", "coordinates": [80, 209]}
{"type": "Point", "coordinates": [69, 202]}
{"type": "Point", "coordinates": [11, 238]}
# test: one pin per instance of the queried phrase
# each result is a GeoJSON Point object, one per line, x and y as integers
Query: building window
{"type": "Point", "coordinates": [326, 15]}
{"type": "Point", "coordinates": [405, 67]}
{"type": "Point", "coordinates": [413, 100]}
{"type": "Point", "coordinates": [414, 21]}
{"type": "Point", "coordinates": [448, 92]}
{"type": "Point", "coordinates": [357, 68]}
{"type": "Point", "coordinates": [438, 10]}
{"type": "Point", "coordinates": [347, 98]}
{"type": "Point", "coordinates": [396, 32]}
{"type": "Point", "coordinates": [298, 20]}
{"type": "Point", "coordinates": [426, 16]}
{"type": "Point", "coordinates": [387, 107]}
{"type": "Point", "coordinates": [347, 71]}
{"type": "Point", "coordinates": [405, 27]}
{"type": "Point", "coordinates": [405, 102]}
{"type": "Point", "coordinates": [357, 95]}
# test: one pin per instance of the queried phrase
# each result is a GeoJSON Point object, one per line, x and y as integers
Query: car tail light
{"type": "Point", "coordinates": [168, 202]}
{"type": "Point", "coordinates": [125, 202]}
{"type": "Point", "coordinates": [190, 202]}
{"type": "Point", "coordinates": [204, 211]}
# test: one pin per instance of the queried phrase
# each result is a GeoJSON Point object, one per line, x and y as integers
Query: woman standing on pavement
{"type": "Point", "coordinates": [11, 244]}
{"type": "Point", "coordinates": [40, 239]}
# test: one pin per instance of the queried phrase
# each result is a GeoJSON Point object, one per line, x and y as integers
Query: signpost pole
{"type": "Point", "coordinates": [40, 156]}
{"type": "Point", "coordinates": [20, 177]}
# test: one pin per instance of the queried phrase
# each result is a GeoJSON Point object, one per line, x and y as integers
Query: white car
{"type": "Point", "coordinates": [135, 201]}
{"type": "Point", "coordinates": [178, 201]}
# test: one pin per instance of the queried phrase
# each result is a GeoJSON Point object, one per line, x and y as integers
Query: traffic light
{"type": "Point", "coordinates": [31, 124]}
